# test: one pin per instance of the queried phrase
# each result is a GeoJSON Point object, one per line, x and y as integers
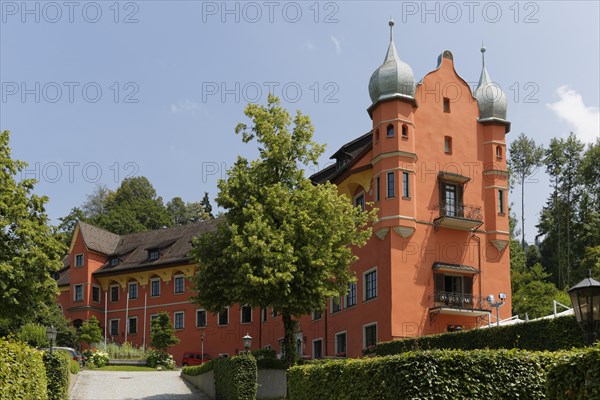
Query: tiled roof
{"type": "Point", "coordinates": [98, 239]}
{"type": "Point", "coordinates": [345, 157]}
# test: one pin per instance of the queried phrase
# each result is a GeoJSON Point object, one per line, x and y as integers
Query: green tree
{"type": "Point", "coordinates": [90, 331]}
{"type": "Point", "coordinates": [33, 334]}
{"type": "Point", "coordinates": [206, 206]}
{"type": "Point", "coordinates": [65, 229]}
{"type": "Point", "coordinates": [183, 213]}
{"type": "Point", "coordinates": [534, 296]}
{"type": "Point", "coordinates": [284, 243]}
{"type": "Point", "coordinates": [525, 157]}
{"type": "Point", "coordinates": [162, 335]}
{"type": "Point", "coordinates": [97, 201]}
{"type": "Point", "coordinates": [29, 251]}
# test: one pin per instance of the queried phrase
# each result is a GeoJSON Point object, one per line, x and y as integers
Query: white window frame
{"type": "Point", "coordinates": [219, 317]}
{"type": "Point", "coordinates": [313, 315]}
{"type": "Point", "coordinates": [242, 313]}
{"type": "Point", "coordinates": [264, 314]}
{"type": "Point", "coordinates": [137, 290]}
{"type": "Point", "coordinates": [336, 342]}
{"type": "Point", "coordinates": [365, 284]}
{"type": "Point", "coordinates": [152, 316]}
{"type": "Point", "coordinates": [364, 200]}
{"type": "Point", "coordinates": [182, 320]}
{"type": "Point", "coordinates": [205, 318]}
{"type": "Point", "coordinates": [110, 293]}
{"type": "Point", "coordinates": [364, 333]}
{"type": "Point", "coordinates": [75, 292]}
{"type": "Point", "coordinates": [110, 322]}
{"type": "Point", "coordinates": [340, 304]}
{"type": "Point", "coordinates": [355, 295]}
{"type": "Point", "coordinates": [82, 260]}
{"type": "Point", "coordinates": [129, 325]}
{"type": "Point", "coordinates": [155, 280]}
{"type": "Point", "coordinates": [94, 286]}
{"type": "Point", "coordinates": [319, 339]}
{"type": "Point", "coordinates": [175, 277]}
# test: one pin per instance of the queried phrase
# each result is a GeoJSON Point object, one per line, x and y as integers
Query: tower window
{"type": "Point", "coordinates": [390, 130]}
{"type": "Point", "coordinates": [447, 145]}
{"type": "Point", "coordinates": [404, 132]}
{"type": "Point", "coordinates": [405, 185]}
{"type": "Point", "coordinates": [359, 201]}
{"type": "Point", "coordinates": [499, 152]}
{"type": "Point", "coordinates": [446, 105]}
{"type": "Point", "coordinates": [376, 135]}
{"type": "Point", "coordinates": [390, 185]}
{"type": "Point", "coordinates": [377, 188]}
{"type": "Point", "coordinates": [501, 201]}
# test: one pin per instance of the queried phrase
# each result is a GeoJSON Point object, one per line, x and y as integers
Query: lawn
{"type": "Point", "coordinates": [125, 368]}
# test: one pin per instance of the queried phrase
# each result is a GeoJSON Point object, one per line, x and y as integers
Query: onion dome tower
{"type": "Point", "coordinates": [490, 97]}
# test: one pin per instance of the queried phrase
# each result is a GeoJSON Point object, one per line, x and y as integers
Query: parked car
{"type": "Point", "coordinates": [193, 358]}
{"type": "Point", "coordinates": [75, 355]}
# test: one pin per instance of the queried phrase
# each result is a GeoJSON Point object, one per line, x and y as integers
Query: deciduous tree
{"type": "Point", "coordinates": [162, 335]}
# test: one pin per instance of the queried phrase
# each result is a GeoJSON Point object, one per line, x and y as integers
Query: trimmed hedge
{"type": "Point", "coordinates": [547, 334]}
{"type": "Point", "coordinates": [576, 376]}
{"type": "Point", "coordinates": [235, 378]}
{"type": "Point", "coordinates": [435, 374]}
{"type": "Point", "coordinates": [199, 369]}
{"type": "Point", "coordinates": [270, 363]}
{"type": "Point", "coordinates": [58, 372]}
{"type": "Point", "coordinates": [22, 374]}
{"type": "Point", "coordinates": [74, 367]}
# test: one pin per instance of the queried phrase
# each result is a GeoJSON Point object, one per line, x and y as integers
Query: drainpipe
{"type": "Point", "coordinates": [474, 236]}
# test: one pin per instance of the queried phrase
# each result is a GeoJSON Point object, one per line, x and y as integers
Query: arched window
{"type": "Point", "coordinates": [499, 152]}
{"type": "Point", "coordinates": [390, 130]}
{"type": "Point", "coordinates": [404, 131]}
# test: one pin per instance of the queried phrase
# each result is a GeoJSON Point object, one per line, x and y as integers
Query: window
{"type": "Point", "coordinates": [200, 318]}
{"type": "Point", "coordinates": [500, 201]}
{"type": "Point", "coordinates": [246, 314]}
{"type": "Point", "coordinates": [390, 185]}
{"type": "Point", "coordinates": [405, 185]}
{"type": "Point", "coordinates": [457, 285]}
{"type": "Point", "coordinates": [154, 287]}
{"type": "Point", "coordinates": [318, 348]}
{"type": "Point", "coordinates": [499, 152]}
{"type": "Point", "coordinates": [376, 135]}
{"type": "Point", "coordinates": [351, 296]}
{"type": "Point", "coordinates": [446, 105]}
{"type": "Point", "coordinates": [224, 317]}
{"type": "Point", "coordinates": [114, 292]}
{"type": "Point", "coordinates": [451, 199]}
{"type": "Point", "coordinates": [133, 290]}
{"type": "Point", "coordinates": [132, 325]}
{"type": "Point", "coordinates": [114, 261]}
{"type": "Point", "coordinates": [370, 335]}
{"type": "Point", "coordinates": [404, 132]}
{"type": "Point", "coordinates": [336, 304]}
{"type": "Point", "coordinates": [263, 314]}
{"type": "Point", "coordinates": [79, 260]}
{"type": "Point", "coordinates": [96, 293]}
{"type": "Point", "coordinates": [317, 314]}
{"type": "Point", "coordinates": [153, 317]}
{"type": "Point", "coordinates": [377, 186]}
{"type": "Point", "coordinates": [447, 145]}
{"type": "Point", "coordinates": [153, 254]}
{"type": "Point", "coordinates": [179, 284]}
{"type": "Point", "coordinates": [390, 130]}
{"type": "Point", "coordinates": [359, 201]}
{"type": "Point", "coordinates": [178, 320]}
{"type": "Point", "coordinates": [78, 293]}
{"type": "Point", "coordinates": [371, 284]}
{"type": "Point", "coordinates": [273, 313]}
{"type": "Point", "coordinates": [114, 327]}
{"type": "Point", "coordinates": [340, 344]}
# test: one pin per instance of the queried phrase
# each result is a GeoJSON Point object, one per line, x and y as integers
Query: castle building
{"type": "Point", "coordinates": [433, 164]}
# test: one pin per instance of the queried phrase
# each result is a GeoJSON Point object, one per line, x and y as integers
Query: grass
{"type": "Point", "coordinates": [125, 368]}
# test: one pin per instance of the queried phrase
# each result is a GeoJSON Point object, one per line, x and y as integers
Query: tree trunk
{"type": "Point", "coordinates": [289, 328]}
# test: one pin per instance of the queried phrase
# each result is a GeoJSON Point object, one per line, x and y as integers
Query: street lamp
{"type": "Point", "coordinates": [51, 335]}
{"type": "Point", "coordinates": [585, 297]}
{"type": "Point", "coordinates": [497, 304]}
{"type": "Point", "coordinates": [247, 342]}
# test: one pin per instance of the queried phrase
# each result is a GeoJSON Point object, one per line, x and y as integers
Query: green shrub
{"type": "Point", "coordinates": [264, 353]}
{"type": "Point", "coordinates": [435, 374]}
{"type": "Point", "coordinates": [575, 376]}
{"type": "Point", "coordinates": [125, 351]}
{"type": "Point", "coordinates": [235, 378]}
{"type": "Point", "coordinates": [58, 369]}
{"type": "Point", "coordinates": [270, 363]}
{"type": "Point", "coordinates": [97, 358]}
{"type": "Point", "coordinates": [74, 367]}
{"type": "Point", "coordinates": [199, 369]}
{"type": "Point", "coordinates": [155, 358]}
{"type": "Point", "coordinates": [34, 335]}
{"type": "Point", "coordinates": [547, 334]}
{"type": "Point", "coordinates": [22, 374]}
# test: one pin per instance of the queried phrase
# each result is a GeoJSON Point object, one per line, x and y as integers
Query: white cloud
{"type": "Point", "coordinates": [310, 46]}
{"type": "Point", "coordinates": [584, 120]}
{"type": "Point", "coordinates": [185, 106]}
{"type": "Point", "coordinates": [337, 44]}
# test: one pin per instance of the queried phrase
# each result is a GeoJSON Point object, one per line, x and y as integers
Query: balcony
{"type": "Point", "coordinates": [451, 303]}
{"type": "Point", "coordinates": [458, 216]}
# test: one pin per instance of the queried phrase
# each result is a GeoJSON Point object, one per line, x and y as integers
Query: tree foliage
{"type": "Point", "coordinates": [90, 331]}
{"type": "Point", "coordinates": [284, 243]}
{"type": "Point", "coordinates": [162, 335]}
{"type": "Point", "coordinates": [29, 251]}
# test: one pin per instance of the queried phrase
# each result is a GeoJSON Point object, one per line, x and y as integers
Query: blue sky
{"type": "Point", "coordinates": [93, 92]}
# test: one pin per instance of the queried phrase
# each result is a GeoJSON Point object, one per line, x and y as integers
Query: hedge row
{"type": "Point", "coordinates": [235, 378]}
{"type": "Point", "coordinates": [199, 369]}
{"type": "Point", "coordinates": [576, 376]}
{"type": "Point", "coordinates": [435, 374]}
{"type": "Point", "coordinates": [548, 334]}
{"type": "Point", "coordinates": [58, 372]}
{"type": "Point", "coordinates": [22, 374]}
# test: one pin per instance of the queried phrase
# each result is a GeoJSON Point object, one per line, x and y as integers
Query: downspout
{"type": "Point", "coordinates": [474, 236]}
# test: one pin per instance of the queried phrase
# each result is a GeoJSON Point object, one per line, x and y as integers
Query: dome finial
{"type": "Point", "coordinates": [482, 54]}
{"type": "Point", "coordinates": [391, 24]}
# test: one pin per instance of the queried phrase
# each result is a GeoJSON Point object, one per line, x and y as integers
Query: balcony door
{"type": "Point", "coordinates": [451, 199]}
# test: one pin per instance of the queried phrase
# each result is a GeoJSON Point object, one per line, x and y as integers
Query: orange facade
{"type": "Point", "coordinates": [434, 166]}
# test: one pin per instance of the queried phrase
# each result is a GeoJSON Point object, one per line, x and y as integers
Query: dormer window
{"type": "Point", "coordinates": [153, 254]}
{"type": "Point", "coordinates": [114, 261]}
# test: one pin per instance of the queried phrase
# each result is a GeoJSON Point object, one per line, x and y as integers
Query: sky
{"type": "Point", "coordinates": [94, 92]}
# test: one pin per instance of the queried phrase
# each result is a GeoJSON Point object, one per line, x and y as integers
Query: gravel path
{"type": "Point", "coordinates": [152, 385]}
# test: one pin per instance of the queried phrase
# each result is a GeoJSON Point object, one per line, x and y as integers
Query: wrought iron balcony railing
{"type": "Point", "coordinates": [460, 211]}
{"type": "Point", "coordinates": [458, 301]}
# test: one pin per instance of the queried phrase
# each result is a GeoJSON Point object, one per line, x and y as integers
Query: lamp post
{"type": "Point", "coordinates": [247, 342]}
{"type": "Point", "coordinates": [51, 335]}
{"type": "Point", "coordinates": [585, 297]}
{"type": "Point", "coordinates": [497, 304]}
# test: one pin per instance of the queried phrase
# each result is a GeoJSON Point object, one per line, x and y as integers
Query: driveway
{"type": "Point", "coordinates": [153, 385]}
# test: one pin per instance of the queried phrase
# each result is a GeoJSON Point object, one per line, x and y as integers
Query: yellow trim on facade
{"type": "Point", "coordinates": [143, 277]}
{"type": "Point", "coordinates": [349, 185]}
